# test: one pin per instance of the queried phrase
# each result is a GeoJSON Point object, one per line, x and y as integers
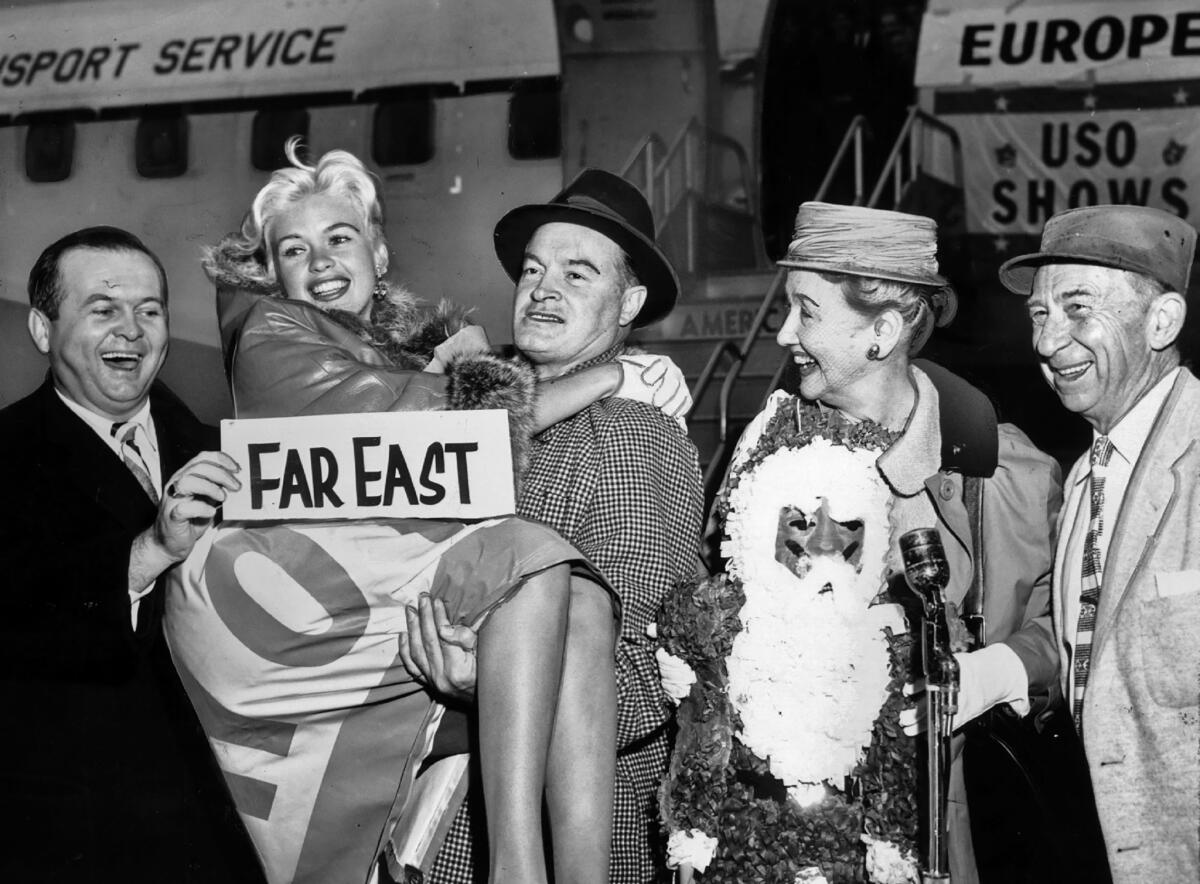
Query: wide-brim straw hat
{"type": "Point", "coordinates": [609, 205]}
{"type": "Point", "coordinates": [875, 243]}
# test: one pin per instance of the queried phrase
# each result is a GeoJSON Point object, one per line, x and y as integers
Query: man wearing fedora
{"type": "Point", "coordinates": [620, 480]}
{"type": "Point", "coordinates": [1106, 296]}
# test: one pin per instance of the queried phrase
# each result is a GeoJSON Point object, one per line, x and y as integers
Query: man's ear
{"type": "Point", "coordinates": [889, 329]}
{"type": "Point", "coordinates": [631, 303]}
{"type": "Point", "coordinates": [1164, 320]}
{"type": "Point", "coordinates": [39, 329]}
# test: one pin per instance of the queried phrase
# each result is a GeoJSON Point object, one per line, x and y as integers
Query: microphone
{"type": "Point", "coordinates": [925, 568]}
{"type": "Point", "coordinates": [928, 574]}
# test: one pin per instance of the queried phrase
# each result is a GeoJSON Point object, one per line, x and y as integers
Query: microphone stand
{"type": "Point", "coordinates": [927, 574]}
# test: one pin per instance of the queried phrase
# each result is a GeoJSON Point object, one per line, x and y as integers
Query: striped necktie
{"type": "Point", "coordinates": [132, 456]}
{"type": "Point", "coordinates": [1092, 574]}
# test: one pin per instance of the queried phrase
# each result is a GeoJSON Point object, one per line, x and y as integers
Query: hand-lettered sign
{"type": "Point", "coordinates": [423, 464]}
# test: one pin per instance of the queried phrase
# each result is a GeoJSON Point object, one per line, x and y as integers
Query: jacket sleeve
{"type": "Point", "coordinates": [1021, 507]}
{"type": "Point", "coordinates": [641, 531]}
{"type": "Point", "coordinates": [286, 365]}
{"type": "Point", "coordinates": [65, 600]}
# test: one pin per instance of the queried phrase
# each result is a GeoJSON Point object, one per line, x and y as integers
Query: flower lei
{"type": "Point", "coordinates": [793, 772]}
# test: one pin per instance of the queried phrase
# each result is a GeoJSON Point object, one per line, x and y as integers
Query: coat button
{"type": "Point", "coordinates": [947, 489]}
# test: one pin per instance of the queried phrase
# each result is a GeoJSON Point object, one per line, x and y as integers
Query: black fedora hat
{"type": "Point", "coordinates": [609, 205]}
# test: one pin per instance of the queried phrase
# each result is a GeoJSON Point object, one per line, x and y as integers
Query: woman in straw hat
{"type": "Point", "coordinates": [287, 635]}
{"type": "Point", "coordinates": [821, 488]}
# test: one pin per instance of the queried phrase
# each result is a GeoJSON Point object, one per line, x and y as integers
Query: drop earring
{"type": "Point", "coordinates": [380, 292]}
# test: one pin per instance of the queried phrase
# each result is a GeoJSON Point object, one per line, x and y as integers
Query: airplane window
{"type": "Point", "coordinates": [49, 151]}
{"type": "Point", "coordinates": [535, 120]}
{"type": "Point", "coordinates": [272, 128]}
{"type": "Point", "coordinates": [403, 131]}
{"type": "Point", "coordinates": [161, 145]}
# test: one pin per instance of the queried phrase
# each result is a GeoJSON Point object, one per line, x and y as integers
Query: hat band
{"type": "Point", "coordinates": [588, 202]}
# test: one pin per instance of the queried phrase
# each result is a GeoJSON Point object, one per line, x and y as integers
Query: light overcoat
{"type": "Point", "coordinates": [1141, 718]}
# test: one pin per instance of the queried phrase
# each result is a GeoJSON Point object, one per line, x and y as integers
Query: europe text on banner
{"type": "Point", "coordinates": [1002, 44]}
{"type": "Point", "coordinates": [286, 637]}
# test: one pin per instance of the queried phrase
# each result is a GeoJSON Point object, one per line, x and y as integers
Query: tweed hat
{"type": "Point", "coordinates": [1137, 238]}
{"type": "Point", "coordinates": [610, 205]}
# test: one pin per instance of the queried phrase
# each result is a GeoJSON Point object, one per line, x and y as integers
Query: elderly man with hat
{"type": "Point", "coordinates": [1106, 296]}
{"type": "Point", "coordinates": [620, 480]}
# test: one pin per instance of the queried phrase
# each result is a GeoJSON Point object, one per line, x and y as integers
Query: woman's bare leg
{"type": "Point", "coordinates": [519, 673]}
{"type": "Point", "coordinates": [583, 747]}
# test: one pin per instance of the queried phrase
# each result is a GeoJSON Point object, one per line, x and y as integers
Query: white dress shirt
{"type": "Point", "coordinates": [1128, 438]}
{"type": "Point", "coordinates": [147, 442]}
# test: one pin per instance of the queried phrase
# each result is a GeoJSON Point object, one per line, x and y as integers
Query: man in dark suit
{"type": "Point", "coordinates": [110, 480]}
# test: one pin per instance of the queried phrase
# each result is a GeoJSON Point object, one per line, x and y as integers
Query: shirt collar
{"type": "Point", "coordinates": [102, 425]}
{"type": "Point", "coordinates": [607, 356]}
{"type": "Point", "coordinates": [1131, 432]}
{"type": "Point", "coordinates": [917, 454]}
{"type": "Point", "coordinates": [547, 435]}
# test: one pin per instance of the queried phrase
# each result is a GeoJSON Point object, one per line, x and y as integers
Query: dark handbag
{"type": "Point", "coordinates": [1029, 793]}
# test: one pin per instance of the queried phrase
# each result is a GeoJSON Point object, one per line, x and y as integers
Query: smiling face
{"type": "Point", "coordinates": [570, 303]}
{"type": "Point", "coordinates": [110, 337]}
{"type": "Point", "coordinates": [1094, 335]}
{"type": "Point", "coordinates": [324, 254]}
{"type": "Point", "coordinates": [828, 340]}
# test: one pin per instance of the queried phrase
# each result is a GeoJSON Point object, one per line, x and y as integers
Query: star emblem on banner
{"type": "Point", "coordinates": [1173, 152]}
{"type": "Point", "coordinates": [1001, 104]}
{"type": "Point", "coordinates": [1006, 156]}
{"type": "Point", "coordinates": [1180, 95]}
{"type": "Point", "coordinates": [1089, 101]}
{"type": "Point", "coordinates": [1001, 244]}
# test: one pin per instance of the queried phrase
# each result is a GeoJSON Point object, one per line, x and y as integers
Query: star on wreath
{"type": "Point", "coordinates": [1006, 156]}
{"type": "Point", "coordinates": [1173, 152]}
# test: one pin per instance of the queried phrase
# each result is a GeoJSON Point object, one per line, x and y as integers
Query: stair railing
{"type": "Point", "coordinates": [641, 168]}
{"type": "Point", "coordinates": [670, 174]}
{"type": "Point", "coordinates": [851, 146]}
{"type": "Point", "coordinates": [908, 154]}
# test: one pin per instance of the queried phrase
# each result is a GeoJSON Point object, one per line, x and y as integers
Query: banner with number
{"type": "Point", "coordinates": [286, 638]}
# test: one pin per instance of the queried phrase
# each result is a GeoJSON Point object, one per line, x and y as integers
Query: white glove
{"type": "Point", "coordinates": [692, 848]}
{"type": "Point", "coordinates": [677, 676]}
{"type": "Point", "coordinates": [657, 381]}
{"type": "Point", "coordinates": [987, 678]}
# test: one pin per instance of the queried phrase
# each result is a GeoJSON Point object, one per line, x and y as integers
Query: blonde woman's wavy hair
{"type": "Point", "coordinates": [337, 172]}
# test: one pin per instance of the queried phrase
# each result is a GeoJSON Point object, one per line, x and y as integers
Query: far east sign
{"type": "Point", "coordinates": [1066, 106]}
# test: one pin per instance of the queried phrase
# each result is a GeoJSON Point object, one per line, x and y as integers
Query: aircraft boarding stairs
{"type": "Point", "coordinates": [722, 332]}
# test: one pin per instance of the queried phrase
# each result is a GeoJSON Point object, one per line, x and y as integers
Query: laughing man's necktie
{"type": "Point", "coordinates": [132, 456]}
{"type": "Point", "coordinates": [1092, 574]}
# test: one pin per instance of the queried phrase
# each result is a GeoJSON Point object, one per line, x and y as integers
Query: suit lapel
{"type": "Point", "coordinates": [75, 452]}
{"type": "Point", "coordinates": [1149, 500]}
